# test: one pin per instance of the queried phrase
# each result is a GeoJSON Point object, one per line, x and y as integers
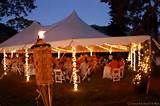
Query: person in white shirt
{"type": "Point", "coordinates": [107, 71]}
{"type": "Point", "coordinates": [83, 67]}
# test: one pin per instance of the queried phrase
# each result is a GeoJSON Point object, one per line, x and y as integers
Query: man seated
{"type": "Point", "coordinates": [114, 63]}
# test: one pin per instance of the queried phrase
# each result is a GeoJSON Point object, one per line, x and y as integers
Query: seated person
{"type": "Point", "coordinates": [107, 71]}
{"type": "Point", "coordinates": [114, 63]}
{"type": "Point", "coordinates": [121, 62]}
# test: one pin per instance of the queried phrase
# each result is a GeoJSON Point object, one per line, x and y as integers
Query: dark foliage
{"type": "Point", "coordinates": [141, 16]}
{"type": "Point", "coordinates": [101, 29]}
{"type": "Point", "coordinates": [15, 11]}
{"type": "Point", "coordinates": [16, 8]}
{"type": "Point", "coordinates": [111, 30]}
{"type": "Point", "coordinates": [6, 32]}
{"type": "Point", "coordinates": [19, 23]}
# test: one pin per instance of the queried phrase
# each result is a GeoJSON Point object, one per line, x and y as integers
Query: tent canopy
{"type": "Point", "coordinates": [71, 27]}
{"type": "Point", "coordinates": [28, 35]}
{"type": "Point", "coordinates": [71, 31]}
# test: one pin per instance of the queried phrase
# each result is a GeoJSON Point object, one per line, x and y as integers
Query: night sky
{"type": "Point", "coordinates": [51, 11]}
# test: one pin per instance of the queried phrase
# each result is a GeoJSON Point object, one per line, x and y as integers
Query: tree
{"type": "Point", "coordinates": [16, 10]}
{"type": "Point", "coordinates": [101, 29]}
{"type": "Point", "coordinates": [145, 13]}
{"type": "Point", "coordinates": [6, 32]}
{"type": "Point", "coordinates": [141, 16]}
{"type": "Point", "coordinates": [118, 13]}
{"type": "Point", "coordinates": [19, 23]}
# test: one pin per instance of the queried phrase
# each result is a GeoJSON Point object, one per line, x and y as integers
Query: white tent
{"type": "Point", "coordinates": [28, 35]}
{"type": "Point", "coordinates": [71, 31]}
{"type": "Point", "coordinates": [70, 27]}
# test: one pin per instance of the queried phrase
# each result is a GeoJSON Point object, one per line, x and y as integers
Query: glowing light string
{"type": "Point", "coordinates": [117, 46]}
{"type": "Point", "coordinates": [103, 47]}
{"type": "Point", "coordinates": [59, 54]}
{"type": "Point", "coordinates": [134, 65]}
{"type": "Point", "coordinates": [26, 65]}
{"type": "Point", "coordinates": [131, 58]}
{"type": "Point", "coordinates": [4, 62]}
{"type": "Point", "coordinates": [74, 73]}
{"type": "Point", "coordinates": [144, 64]}
{"type": "Point", "coordinates": [110, 50]}
{"type": "Point", "coordinates": [139, 52]}
{"type": "Point", "coordinates": [90, 50]}
{"type": "Point", "coordinates": [61, 49]}
{"type": "Point", "coordinates": [12, 52]}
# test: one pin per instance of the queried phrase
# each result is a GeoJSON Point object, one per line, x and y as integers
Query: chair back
{"type": "Point", "coordinates": [116, 74]}
{"type": "Point", "coordinates": [59, 77]}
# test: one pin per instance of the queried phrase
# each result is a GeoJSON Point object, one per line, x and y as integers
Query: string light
{"type": "Point", "coordinates": [59, 54]}
{"type": "Point", "coordinates": [17, 55]}
{"type": "Point", "coordinates": [74, 73]}
{"type": "Point", "coordinates": [13, 51]}
{"type": "Point", "coordinates": [61, 49]}
{"type": "Point", "coordinates": [134, 53]}
{"type": "Point", "coordinates": [131, 58]}
{"type": "Point", "coordinates": [90, 50]}
{"type": "Point", "coordinates": [139, 52]}
{"type": "Point", "coordinates": [103, 47]}
{"type": "Point", "coordinates": [110, 50]}
{"type": "Point", "coordinates": [4, 62]}
{"type": "Point", "coordinates": [143, 62]}
{"type": "Point", "coordinates": [137, 79]}
{"type": "Point", "coordinates": [26, 65]}
{"type": "Point", "coordinates": [117, 46]}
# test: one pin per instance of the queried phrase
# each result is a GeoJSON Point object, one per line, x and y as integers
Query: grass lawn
{"type": "Point", "coordinates": [14, 91]}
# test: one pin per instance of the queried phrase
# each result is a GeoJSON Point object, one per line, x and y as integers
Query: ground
{"type": "Point", "coordinates": [15, 91]}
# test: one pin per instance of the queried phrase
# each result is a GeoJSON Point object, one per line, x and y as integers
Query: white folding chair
{"type": "Point", "coordinates": [116, 74]}
{"type": "Point", "coordinates": [59, 77]}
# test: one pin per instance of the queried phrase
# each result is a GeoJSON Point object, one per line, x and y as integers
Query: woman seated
{"type": "Point", "coordinates": [107, 71]}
